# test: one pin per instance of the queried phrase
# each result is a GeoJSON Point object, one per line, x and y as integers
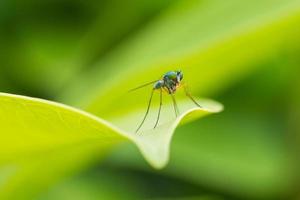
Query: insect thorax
{"type": "Point", "coordinates": [170, 81]}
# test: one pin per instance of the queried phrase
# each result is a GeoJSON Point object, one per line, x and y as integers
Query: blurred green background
{"type": "Point", "coordinates": [245, 54]}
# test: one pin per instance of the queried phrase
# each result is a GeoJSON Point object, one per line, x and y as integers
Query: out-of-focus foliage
{"type": "Point", "coordinates": [110, 183]}
{"type": "Point", "coordinates": [90, 53]}
{"type": "Point", "coordinates": [58, 38]}
{"type": "Point", "coordinates": [199, 45]}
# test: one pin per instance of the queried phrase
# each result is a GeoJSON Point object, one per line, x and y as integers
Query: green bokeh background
{"type": "Point", "coordinates": [245, 54]}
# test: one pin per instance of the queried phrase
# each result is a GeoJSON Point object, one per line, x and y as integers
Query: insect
{"type": "Point", "coordinates": [169, 82]}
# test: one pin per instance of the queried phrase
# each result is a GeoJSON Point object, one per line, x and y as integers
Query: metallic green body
{"type": "Point", "coordinates": [170, 81]}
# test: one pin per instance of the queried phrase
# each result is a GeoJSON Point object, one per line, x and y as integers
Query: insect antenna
{"type": "Point", "coordinates": [141, 86]}
{"type": "Point", "coordinates": [146, 112]}
{"type": "Point", "coordinates": [175, 105]}
{"type": "Point", "coordinates": [160, 104]}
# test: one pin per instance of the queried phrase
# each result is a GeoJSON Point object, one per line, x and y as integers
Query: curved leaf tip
{"type": "Point", "coordinates": [32, 125]}
{"type": "Point", "coordinates": [155, 144]}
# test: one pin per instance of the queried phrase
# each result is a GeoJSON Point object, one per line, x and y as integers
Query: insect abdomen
{"type": "Point", "coordinates": [159, 84]}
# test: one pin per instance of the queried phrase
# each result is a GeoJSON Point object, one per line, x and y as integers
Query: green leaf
{"type": "Point", "coordinates": [29, 124]}
{"type": "Point", "coordinates": [37, 132]}
{"type": "Point", "coordinates": [45, 125]}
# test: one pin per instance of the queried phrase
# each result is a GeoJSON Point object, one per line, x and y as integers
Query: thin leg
{"type": "Point", "coordinates": [146, 112]}
{"type": "Point", "coordinates": [160, 104]}
{"type": "Point", "coordinates": [187, 93]}
{"type": "Point", "coordinates": [175, 105]}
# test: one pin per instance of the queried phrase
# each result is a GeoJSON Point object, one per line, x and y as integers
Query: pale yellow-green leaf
{"type": "Point", "coordinates": [51, 139]}
{"type": "Point", "coordinates": [30, 125]}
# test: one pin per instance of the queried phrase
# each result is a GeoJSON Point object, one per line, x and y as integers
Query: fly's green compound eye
{"type": "Point", "coordinates": [179, 75]}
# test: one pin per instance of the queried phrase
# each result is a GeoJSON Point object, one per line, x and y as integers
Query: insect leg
{"type": "Point", "coordinates": [146, 112]}
{"type": "Point", "coordinates": [160, 104]}
{"type": "Point", "coordinates": [175, 105]}
{"type": "Point", "coordinates": [187, 93]}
